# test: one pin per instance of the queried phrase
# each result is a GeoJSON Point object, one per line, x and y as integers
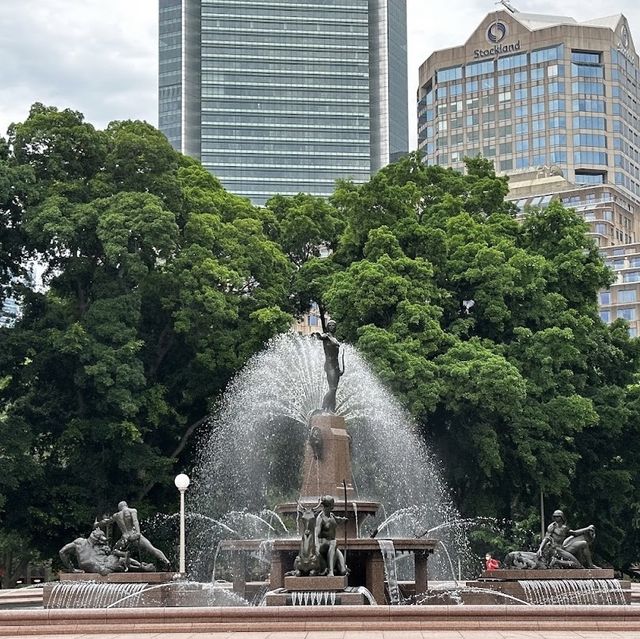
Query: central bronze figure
{"type": "Point", "coordinates": [331, 364]}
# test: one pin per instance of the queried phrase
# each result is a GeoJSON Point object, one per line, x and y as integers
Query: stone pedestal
{"type": "Point", "coordinates": [327, 462]}
{"type": "Point", "coordinates": [554, 586]}
{"type": "Point", "coordinates": [347, 597]}
{"type": "Point", "coordinates": [315, 583]}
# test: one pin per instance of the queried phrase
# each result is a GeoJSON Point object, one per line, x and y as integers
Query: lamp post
{"type": "Point", "coordinates": [182, 483]}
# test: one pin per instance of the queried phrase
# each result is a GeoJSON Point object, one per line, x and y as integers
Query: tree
{"type": "Point", "coordinates": [160, 285]}
{"type": "Point", "coordinates": [488, 331]}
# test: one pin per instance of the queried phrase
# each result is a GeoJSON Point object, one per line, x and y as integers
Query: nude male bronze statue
{"type": "Point", "coordinates": [331, 364]}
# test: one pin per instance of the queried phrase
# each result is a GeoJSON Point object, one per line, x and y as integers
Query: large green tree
{"type": "Point", "coordinates": [159, 284]}
{"type": "Point", "coordinates": [488, 331]}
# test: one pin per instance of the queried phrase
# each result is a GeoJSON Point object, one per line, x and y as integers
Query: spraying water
{"type": "Point", "coordinates": [252, 457]}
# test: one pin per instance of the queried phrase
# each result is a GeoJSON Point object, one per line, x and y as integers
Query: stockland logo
{"type": "Point", "coordinates": [496, 32]}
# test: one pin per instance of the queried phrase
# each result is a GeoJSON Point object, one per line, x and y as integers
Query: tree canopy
{"type": "Point", "coordinates": [160, 284]}
{"type": "Point", "coordinates": [488, 331]}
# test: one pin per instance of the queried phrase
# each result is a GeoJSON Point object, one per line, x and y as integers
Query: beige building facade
{"type": "Point", "coordinates": [622, 299]}
{"type": "Point", "coordinates": [531, 90]}
{"type": "Point", "coordinates": [613, 217]}
{"type": "Point", "coordinates": [554, 103]}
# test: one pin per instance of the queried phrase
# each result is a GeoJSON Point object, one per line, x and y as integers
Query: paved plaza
{"type": "Point", "coordinates": [372, 634]}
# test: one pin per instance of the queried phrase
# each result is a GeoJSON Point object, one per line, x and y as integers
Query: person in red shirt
{"type": "Point", "coordinates": [490, 563]}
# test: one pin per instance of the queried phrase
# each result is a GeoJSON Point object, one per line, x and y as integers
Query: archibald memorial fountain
{"type": "Point", "coordinates": [347, 549]}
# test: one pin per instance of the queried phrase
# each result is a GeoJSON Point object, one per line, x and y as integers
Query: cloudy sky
{"type": "Point", "coordinates": [100, 56]}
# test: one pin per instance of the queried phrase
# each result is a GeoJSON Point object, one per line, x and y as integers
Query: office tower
{"type": "Point", "coordinates": [284, 96]}
{"type": "Point", "coordinates": [554, 103]}
{"type": "Point", "coordinates": [535, 90]}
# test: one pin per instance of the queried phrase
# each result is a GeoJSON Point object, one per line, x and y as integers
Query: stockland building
{"type": "Point", "coordinates": [284, 96]}
{"type": "Point", "coordinates": [554, 103]}
{"type": "Point", "coordinates": [535, 90]}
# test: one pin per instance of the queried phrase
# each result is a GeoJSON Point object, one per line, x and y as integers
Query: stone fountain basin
{"type": "Point", "coordinates": [363, 558]}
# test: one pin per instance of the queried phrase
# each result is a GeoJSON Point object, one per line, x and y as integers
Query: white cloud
{"type": "Point", "coordinates": [100, 56]}
{"type": "Point", "coordinates": [96, 56]}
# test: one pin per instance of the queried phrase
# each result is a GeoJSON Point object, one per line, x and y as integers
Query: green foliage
{"type": "Point", "coordinates": [487, 329]}
{"type": "Point", "coordinates": [160, 285]}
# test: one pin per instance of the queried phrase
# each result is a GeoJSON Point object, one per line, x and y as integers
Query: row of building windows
{"type": "Point", "coordinates": [284, 132]}
{"type": "Point", "coordinates": [250, 51]}
{"type": "Point", "coordinates": [504, 63]}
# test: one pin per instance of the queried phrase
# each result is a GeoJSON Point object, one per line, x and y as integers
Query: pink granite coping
{"type": "Point", "coordinates": [570, 573]}
{"type": "Point", "coordinates": [120, 577]}
{"type": "Point", "coordinates": [497, 619]}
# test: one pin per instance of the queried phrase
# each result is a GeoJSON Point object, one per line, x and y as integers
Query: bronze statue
{"type": "Point", "coordinates": [331, 365]}
{"type": "Point", "coordinates": [565, 548]}
{"type": "Point", "coordinates": [94, 555]}
{"type": "Point", "coordinates": [127, 521]}
{"type": "Point", "coordinates": [325, 534]}
{"type": "Point", "coordinates": [560, 548]}
{"type": "Point", "coordinates": [524, 560]}
{"type": "Point", "coordinates": [307, 562]}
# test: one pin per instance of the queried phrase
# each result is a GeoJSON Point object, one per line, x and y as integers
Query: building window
{"type": "Point", "coordinates": [586, 57]}
{"type": "Point", "coordinates": [547, 54]}
{"type": "Point", "coordinates": [556, 105]}
{"type": "Point", "coordinates": [589, 122]}
{"type": "Point", "coordinates": [628, 314]}
{"type": "Point", "coordinates": [586, 71]}
{"type": "Point", "coordinates": [589, 157]}
{"type": "Point", "coordinates": [537, 74]}
{"type": "Point", "coordinates": [557, 157]}
{"type": "Point", "coordinates": [593, 106]}
{"type": "Point", "coordinates": [588, 88]}
{"type": "Point", "coordinates": [605, 298]}
{"type": "Point", "coordinates": [451, 73]}
{"type": "Point", "coordinates": [512, 61]}
{"type": "Point", "coordinates": [589, 139]}
{"type": "Point", "coordinates": [590, 177]}
{"type": "Point", "coordinates": [538, 143]}
{"type": "Point", "coordinates": [478, 68]}
{"type": "Point", "coordinates": [605, 316]}
{"type": "Point", "coordinates": [625, 296]}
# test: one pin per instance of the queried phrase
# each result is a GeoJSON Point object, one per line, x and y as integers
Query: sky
{"type": "Point", "coordinates": [100, 56]}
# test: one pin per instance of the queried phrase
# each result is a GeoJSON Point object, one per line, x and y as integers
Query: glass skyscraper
{"type": "Point", "coordinates": [284, 96]}
{"type": "Point", "coordinates": [530, 91]}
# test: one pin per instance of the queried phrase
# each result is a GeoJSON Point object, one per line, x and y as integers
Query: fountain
{"type": "Point", "coordinates": [271, 444]}
{"type": "Point", "coordinates": [560, 572]}
{"type": "Point", "coordinates": [270, 438]}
